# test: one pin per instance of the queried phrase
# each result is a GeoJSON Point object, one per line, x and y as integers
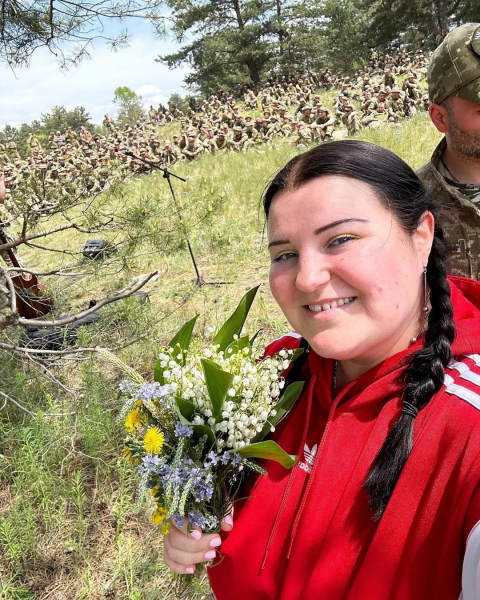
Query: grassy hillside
{"type": "Point", "coordinates": [69, 525]}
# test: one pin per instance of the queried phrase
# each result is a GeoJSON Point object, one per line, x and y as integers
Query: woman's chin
{"type": "Point", "coordinates": [334, 350]}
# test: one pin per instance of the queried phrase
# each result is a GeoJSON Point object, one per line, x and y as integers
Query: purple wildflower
{"type": "Point", "coordinates": [151, 391]}
{"type": "Point", "coordinates": [196, 518]}
{"type": "Point", "coordinates": [177, 520]}
{"type": "Point", "coordinates": [127, 387]}
{"type": "Point", "coordinates": [236, 460]}
{"type": "Point", "coordinates": [183, 430]}
{"type": "Point", "coordinates": [225, 457]}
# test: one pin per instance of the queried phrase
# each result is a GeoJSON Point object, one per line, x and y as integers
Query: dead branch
{"type": "Point", "coordinates": [125, 293]}
{"type": "Point", "coordinates": [16, 404]}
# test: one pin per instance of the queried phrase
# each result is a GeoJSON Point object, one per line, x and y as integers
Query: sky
{"type": "Point", "coordinates": [28, 92]}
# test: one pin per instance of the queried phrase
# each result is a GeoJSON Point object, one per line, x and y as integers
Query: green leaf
{"type": "Point", "coordinates": [296, 353]}
{"type": "Point", "coordinates": [237, 345]}
{"type": "Point", "coordinates": [235, 323]}
{"type": "Point", "coordinates": [200, 430]}
{"type": "Point", "coordinates": [158, 373]}
{"type": "Point", "coordinates": [184, 335]}
{"type": "Point", "coordinates": [283, 406]}
{"type": "Point", "coordinates": [186, 408]}
{"type": "Point", "coordinates": [269, 450]}
{"type": "Point", "coordinates": [218, 383]}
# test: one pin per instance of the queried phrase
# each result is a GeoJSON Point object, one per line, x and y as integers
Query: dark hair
{"type": "Point", "coordinates": [400, 190]}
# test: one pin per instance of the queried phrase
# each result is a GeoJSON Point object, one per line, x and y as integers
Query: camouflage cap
{"type": "Point", "coordinates": [454, 67]}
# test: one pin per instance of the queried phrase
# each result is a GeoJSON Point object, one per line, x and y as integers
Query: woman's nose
{"type": "Point", "coordinates": [312, 273]}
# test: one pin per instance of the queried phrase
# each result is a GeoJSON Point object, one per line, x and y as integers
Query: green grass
{"type": "Point", "coordinates": [68, 522]}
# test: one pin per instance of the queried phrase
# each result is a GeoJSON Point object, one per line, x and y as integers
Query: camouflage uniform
{"type": "Point", "coordinates": [396, 110]}
{"type": "Point", "coordinates": [459, 215]}
{"type": "Point", "coordinates": [237, 142]}
{"type": "Point", "coordinates": [454, 70]}
{"type": "Point", "coordinates": [351, 121]}
{"type": "Point", "coordinates": [323, 125]}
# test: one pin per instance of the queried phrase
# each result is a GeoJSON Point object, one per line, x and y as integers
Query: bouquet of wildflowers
{"type": "Point", "coordinates": [196, 429]}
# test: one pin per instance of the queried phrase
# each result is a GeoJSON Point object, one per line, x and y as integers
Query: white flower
{"type": "Point", "coordinates": [272, 429]}
{"type": "Point", "coordinates": [286, 364]}
{"type": "Point", "coordinates": [283, 354]}
{"type": "Point", "coordinates": [231, 392]}
{"type": "Point", "coordinates": [198, 420]}
{"type": "Point", "coordinates": [211, 421]}
{"type": "Point", "coordinates": [166, 374]}
{"type": "Point", "coordinates": [249, 394]}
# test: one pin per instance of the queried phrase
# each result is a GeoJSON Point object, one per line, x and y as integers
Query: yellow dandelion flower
{"type": "Point", "coordinates": [153, 441]}
{"type": "Point", "coordinates": [166, 527]}
{"type": "Point", "coordinates": [137, 404]}
{"type": "Point", "coordinates": [134, 419]}
{"type": "Point", "coordinates": [159, 515]}
{"type": "Point", "coordinates": [153, 491]}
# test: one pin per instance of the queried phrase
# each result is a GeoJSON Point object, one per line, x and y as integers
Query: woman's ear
{"type": "Point", "coordinates": [423, 236]}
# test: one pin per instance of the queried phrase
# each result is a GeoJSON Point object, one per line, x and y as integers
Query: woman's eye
{"type": "Point", "coordinates": [342, 239]}
{"type": "Point", "coordinates": [284, 257]}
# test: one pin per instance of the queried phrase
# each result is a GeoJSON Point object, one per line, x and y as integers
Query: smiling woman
{"type": "Point", "coordinates": [387, 489]}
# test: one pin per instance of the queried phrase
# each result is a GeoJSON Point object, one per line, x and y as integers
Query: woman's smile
{"type": "Point", "coordinates": [329, 309]}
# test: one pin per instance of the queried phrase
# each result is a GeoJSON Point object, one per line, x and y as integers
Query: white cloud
{"type": "Point", "coordinates": [39, 88]}
{"type": "Point", "coordinates": [147, 90]}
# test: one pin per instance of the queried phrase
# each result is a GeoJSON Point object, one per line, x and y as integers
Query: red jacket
{"type": "Point", "coordinates": [311, 527]}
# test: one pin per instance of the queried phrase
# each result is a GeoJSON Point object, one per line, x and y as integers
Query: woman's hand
{"type": "Point", "coordinates": [183, 550]}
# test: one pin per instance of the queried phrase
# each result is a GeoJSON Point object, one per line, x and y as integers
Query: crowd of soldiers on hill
{"type": "Point", "coordinates": [386, 91]}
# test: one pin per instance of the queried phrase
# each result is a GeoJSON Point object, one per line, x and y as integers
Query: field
{"type": "Point", "coordinates": [69, 524]}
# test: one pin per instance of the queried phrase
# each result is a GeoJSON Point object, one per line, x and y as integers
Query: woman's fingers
{"type": "Point", "coordinates": [183, 550]}
{"type": "Point", "coordinates": [187, 558]}
{"type": "Point", "coordinates": [227, 522]}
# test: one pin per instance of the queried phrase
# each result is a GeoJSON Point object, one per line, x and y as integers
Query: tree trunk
{"type": "Point", "coordinates": [253, 70]}
{"type": "Point", "coordinates": [280, 26]}
{"type": "Point", "coordinates": [439, 20]}
{"type": "Point", "coordinates": [252, 67]}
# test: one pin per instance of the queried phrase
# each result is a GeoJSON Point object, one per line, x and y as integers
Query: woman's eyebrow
{"type": "Point", "coordinates": [340, 222]}
{"type": "Point", "coordinates": [321, 229]}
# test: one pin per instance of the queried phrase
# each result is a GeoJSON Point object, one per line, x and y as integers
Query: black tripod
{"type": "Point", "coordinates": [167, 174]}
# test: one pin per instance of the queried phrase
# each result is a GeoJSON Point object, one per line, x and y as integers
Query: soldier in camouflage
{"type": "Point", "coordinates": [453, 173]}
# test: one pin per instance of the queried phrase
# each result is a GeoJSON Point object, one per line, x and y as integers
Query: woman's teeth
{"type": "Point", "coordinates": [328, 306]}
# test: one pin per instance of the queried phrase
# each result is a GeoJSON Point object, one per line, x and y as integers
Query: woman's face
{"type": "Point", "coordinates": [343, 271]}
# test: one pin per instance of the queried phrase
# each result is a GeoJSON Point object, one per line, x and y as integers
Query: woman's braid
{"type": "Point", "coordinates": [423, 376]}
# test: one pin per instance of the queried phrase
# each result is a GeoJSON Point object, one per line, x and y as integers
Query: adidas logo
{"type": "Point", "coordinates": [309, 454]}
